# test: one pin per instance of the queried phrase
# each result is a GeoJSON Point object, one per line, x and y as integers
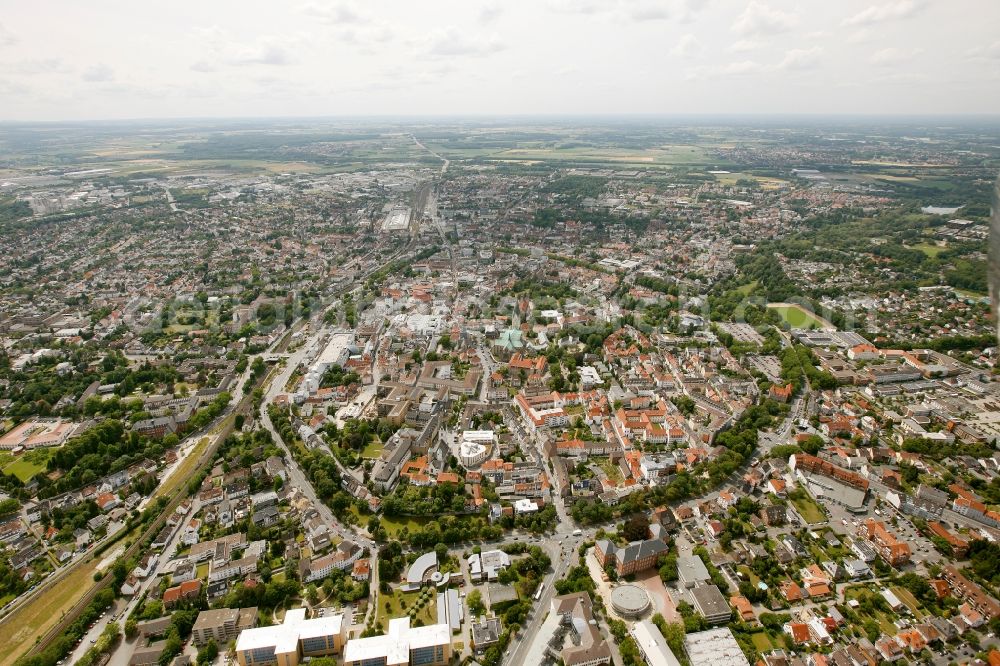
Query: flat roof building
{"type": "Point", "coordinates": [222, 624]}
{"type": "Point", "coordinates": [715, 647]}
{"type": "Point", "coordinates": [708, 601]}
{"type": "Point", "coordinates": [691, 570]}
{"type": "Point", "coordinates": [402, 644]}
{"type": "Point", "coordinates": [285, 644]}
{"type": "Point", "coordinates": [653, 645]}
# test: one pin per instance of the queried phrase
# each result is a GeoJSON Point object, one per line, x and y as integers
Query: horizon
{"type": "Point", "coordinates": [631, 57]}
{"type": "Point", "coordinates": [707, 118]}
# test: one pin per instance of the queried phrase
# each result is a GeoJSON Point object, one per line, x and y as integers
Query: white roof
{"type": "Point", "coordinates": [715, 647]}
{"type": "Point", "coordinates": [420, 567]}
{"type": "Point", "coordinates": [652, 644]}
{"type": "Point", "coordinates": [335, 348]}
{"type": "Point", "coordinates": [395, 645]}
{"type": "Point", "coordinates": [284, 638]}
{"type": "Point", "coordinates": [478, 436]}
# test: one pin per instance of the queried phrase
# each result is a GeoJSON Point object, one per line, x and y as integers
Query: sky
{"type": "Point", "coordinates": [103, 59]}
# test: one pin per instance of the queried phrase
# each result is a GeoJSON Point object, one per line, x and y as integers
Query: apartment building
{"type": "Point", "coordinates": [970, 592]}
{"type": "Point", "coordinates": [885, 543]}
{"type": "Point", "coordinates": [222, 624]}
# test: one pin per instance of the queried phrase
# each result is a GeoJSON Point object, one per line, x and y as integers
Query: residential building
{"type": "Point", "coordinates": [222, 624]}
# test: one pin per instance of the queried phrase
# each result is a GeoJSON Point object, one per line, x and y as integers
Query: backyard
{"type": "Point", "coordinates": [808, 508]}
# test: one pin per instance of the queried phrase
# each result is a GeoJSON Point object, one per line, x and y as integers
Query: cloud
{"type": "Point", "coordinates": [860, 36]}
{"type": "Point", "coordinates": [451, 42]}
{"type": "Point", "coordinates": [39, 66]}
{"type": "Point", "coordinates": [761, 19]}
{"type": "Point", "coordinates": [892, 56]}
{"type": "Point", "coordinates": [888, 12]}
{"type": "Point", "coordinates": [13, 88]}
{"type": "Point", "coordinates": [687, 9]}
{"type": "Point", "coordinates": [228, 50]}
{"type": "Point", "coordinates": [687, 46]}
{"type": "Point", "coordinates": [586, 7]}
{"type": "Point", "coordinates": [339, 14]}
{"type": "Point", "coordinates": [204, 66]}
{"type": "Point", "coordinates": [99, 73]}
{"type": "Point", "coordinates": [648, 11]}
{"type": "Point", "coordinates": [490, 12]}
{"type": "Point", "coordinates": [740, 68]}
{"type": "Point", "coordinates": [744, 46]}
{"type": "Point", "coordinates": [7, 38]}
{"type": "Point", "coordinates": [265, 54]}
{"type": "Point", "coordinates": [801, 58]}
{"type": "Point", "coordinates": [991, 52]}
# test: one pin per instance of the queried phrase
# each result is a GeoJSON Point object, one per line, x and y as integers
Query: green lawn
{"type": "Point", "coordinates": [29, 464]}
{"type": "Point", "coordinates": [930, 249]}
{"type": "Point", "coordinates": [907, 598]}
{"type": "Point", "coordinates": [797, 317]}
{"type": "Point", "coordinates": [750, 575]}
{"type": "Point", "coordinates": [401, 603]}
{"type": "Point", "coordinates": [747, 288]}
{"type": "Point", "coordinates": [762, 642]}
{"type": "Point", "coordinates": [373, 449]}
{"type": "Point", "coordinates": [809, 510]}
{"type": "Point", "coordinates": [614, 474]}
{"type": "Point", "coordinates": [393, 524]}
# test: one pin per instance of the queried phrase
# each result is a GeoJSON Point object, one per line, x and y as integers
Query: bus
{"type": "Point", "coordinates": [538, 592]}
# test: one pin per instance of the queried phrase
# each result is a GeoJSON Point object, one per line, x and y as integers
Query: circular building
{"type": "Point", "coordinates": [629, 601]}
{"type": "Point", "coordinates": [471, 454]}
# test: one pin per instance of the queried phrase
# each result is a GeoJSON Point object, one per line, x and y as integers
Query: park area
{"type": "Point", "coordinates": [797, 316]}
{"type": "Point", "coordinates": [27, 465]}
{"type": "Point", "coordinates": [420, 606]}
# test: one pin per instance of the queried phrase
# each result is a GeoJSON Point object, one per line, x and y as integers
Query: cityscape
{"type": "Point", "coordinates": [499, 389]}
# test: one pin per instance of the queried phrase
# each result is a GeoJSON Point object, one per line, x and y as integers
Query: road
{"type": "Point", "coordinates": [122, 608]}
{"type": "Point", "coordinates": [444, 167]}
{"type": "Point", "coordinates": [296, 476]}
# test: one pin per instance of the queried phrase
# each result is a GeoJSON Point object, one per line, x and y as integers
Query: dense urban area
{"type": "Point", "coordinates": [498, 393]}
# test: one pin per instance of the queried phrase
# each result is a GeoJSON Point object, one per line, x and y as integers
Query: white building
{"type": "Point", "coordinates": [402, 644]}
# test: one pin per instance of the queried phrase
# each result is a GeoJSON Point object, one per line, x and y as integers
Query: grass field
{"type": "Point", "coordinates": [43, 612]}
{"type": "Point", "coordinates": [930, 249]}
{"type": "Point", "coordinates": [661, 155]}
{"type": "Point", "coordinates": [907, 598]}
{"type": "Point", "coordinates": [393, 524]}
{"type": "Point", "coordinates": [796, 316]}
{"type": "Point", "coordinates": [373, 449]}
{"type": "Point", "coordinates": [400, 603]}
{"type": "Point", "coordinates": [974, 295]}
{"type": "Point", "coordinates": [29, 464]}
{"type": "Point", "coordinates": [745, 289]}
{"type": "Point", "coordinates": [614, 474]}
{"type": "Point", "coordinates": [884, 621]}
{"type": "Point", "coordinates": [809, 510]}
{"type": "Point", "coordinates": [762, 642]}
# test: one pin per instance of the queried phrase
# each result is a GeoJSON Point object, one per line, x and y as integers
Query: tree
{"type": "Point", "coordinates": [636, 528]}
{"type": "Point", "coordinates": [475, 601]}
{"type": "Point", "coordinates": [208, 652]}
